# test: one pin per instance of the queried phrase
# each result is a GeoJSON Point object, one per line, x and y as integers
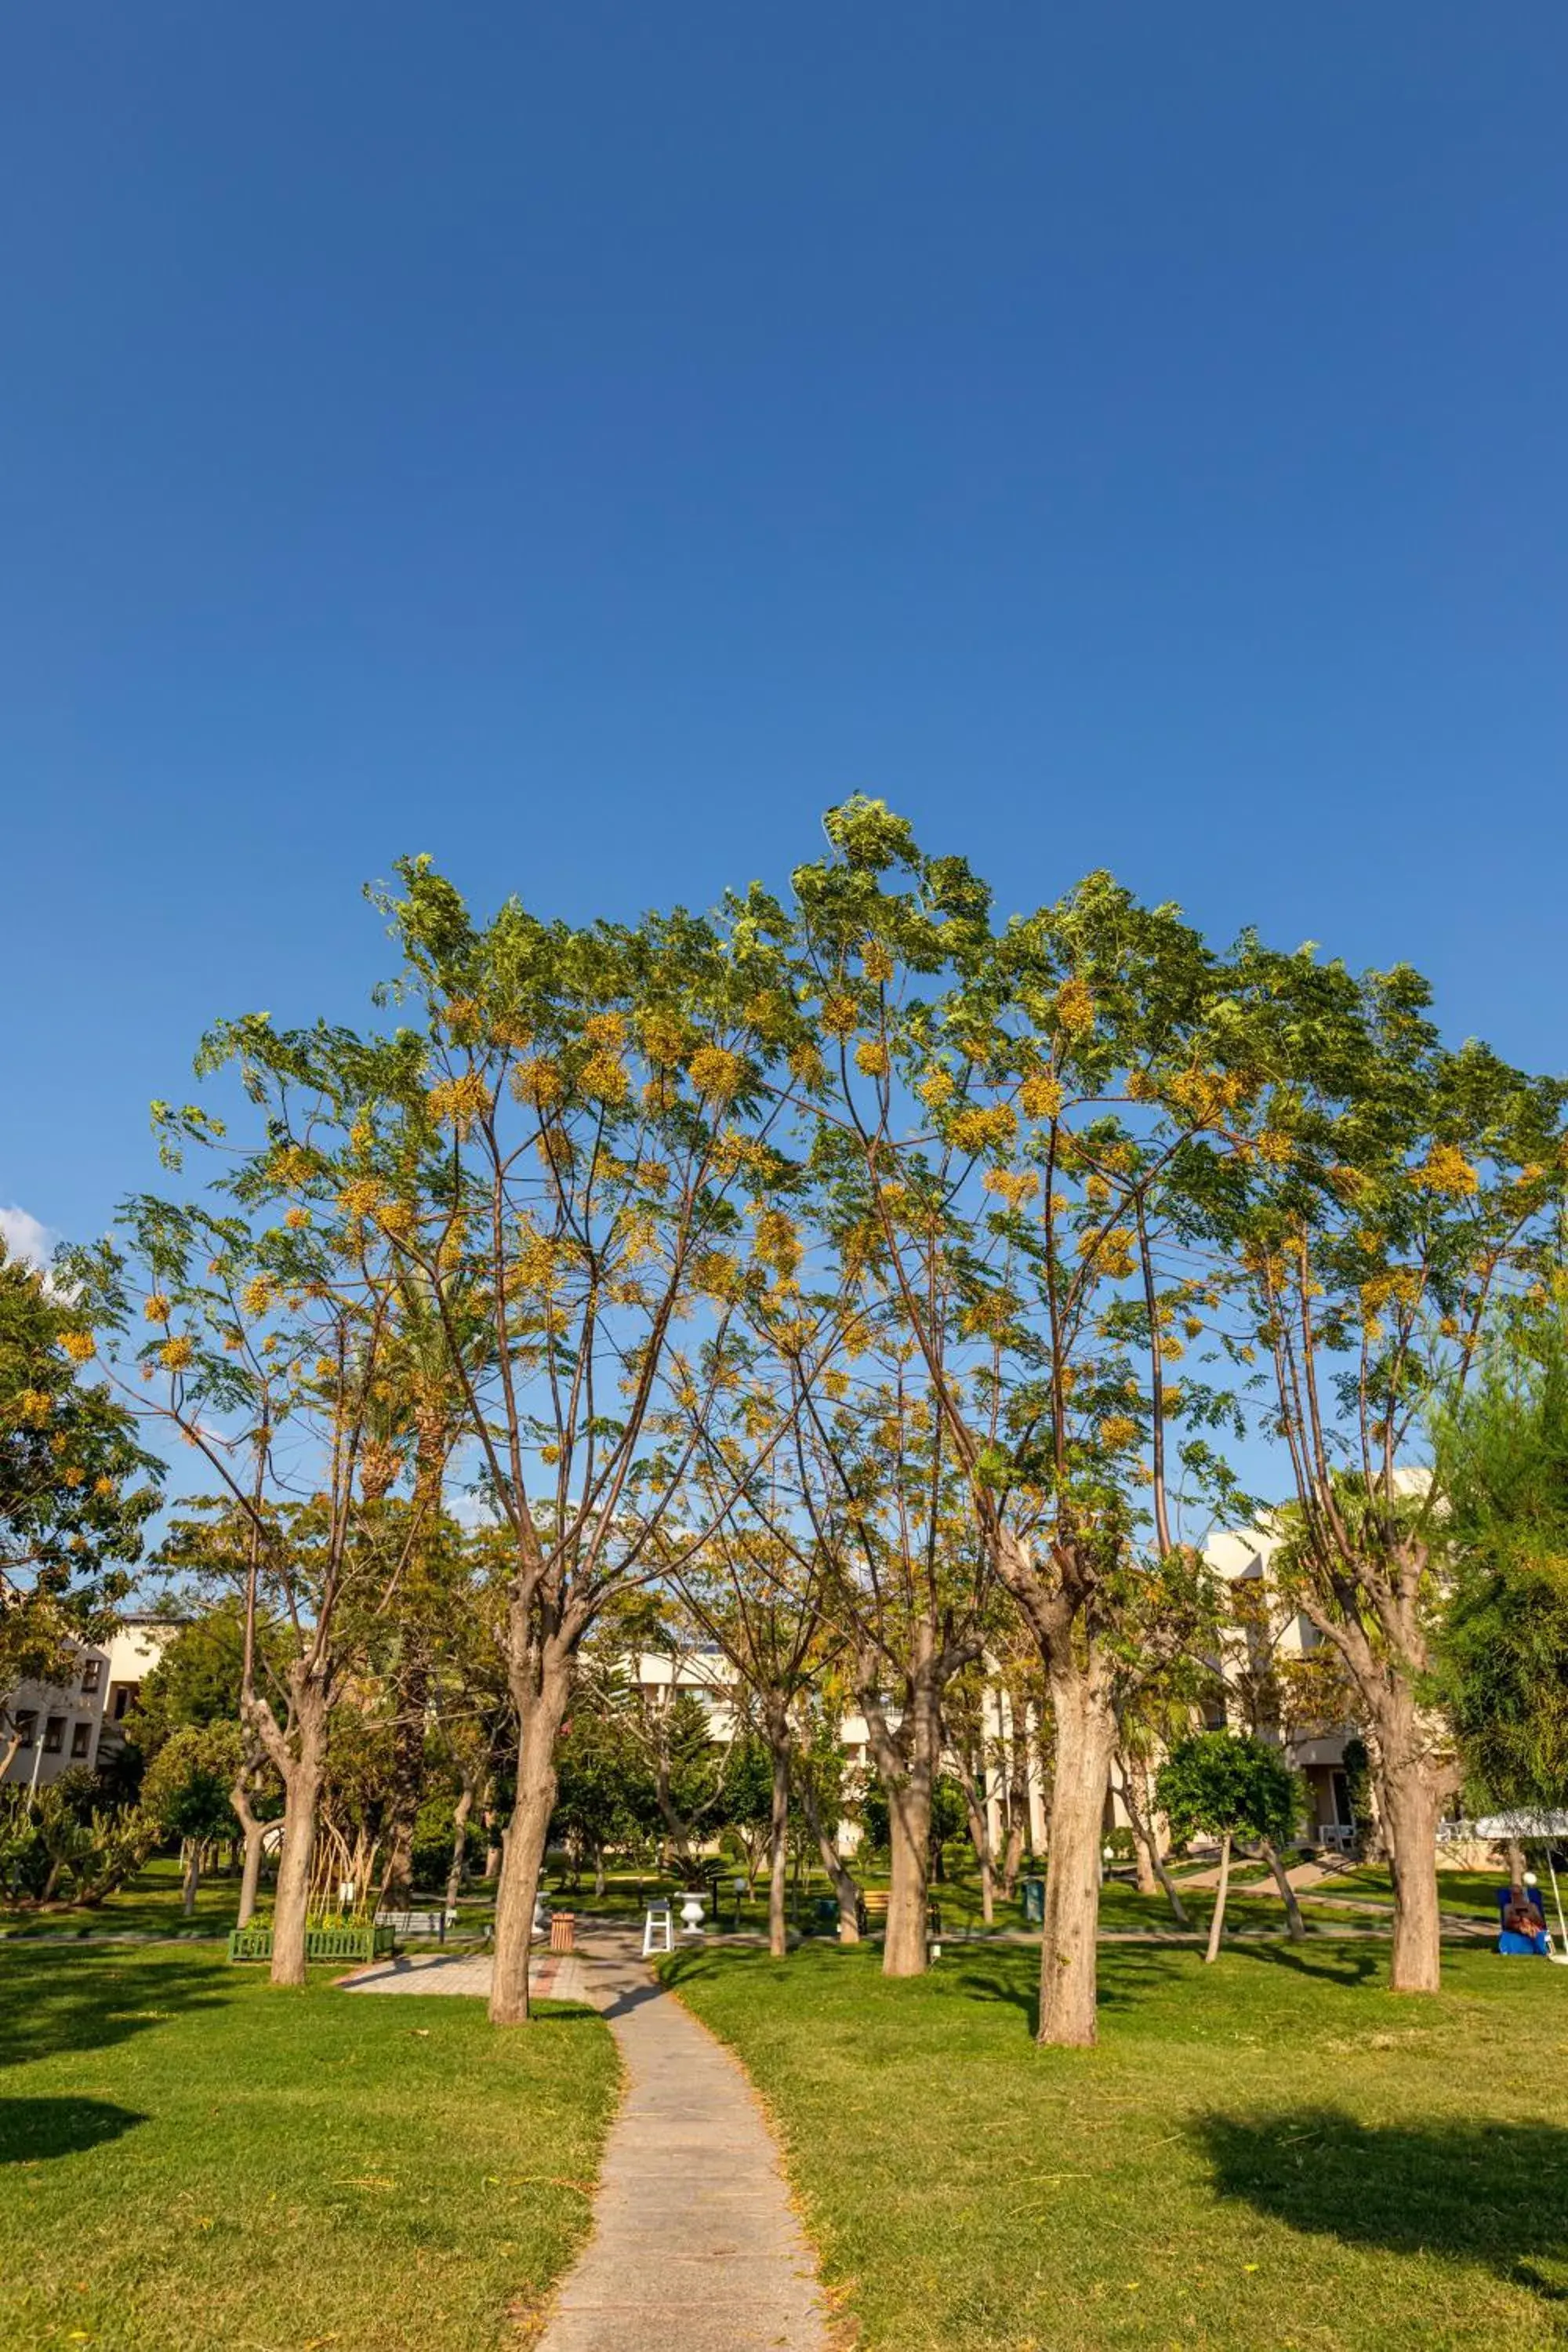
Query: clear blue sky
{"type": "Point", "coordinates": [583, 442]}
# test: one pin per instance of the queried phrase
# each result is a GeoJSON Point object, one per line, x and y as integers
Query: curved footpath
{"type": "Point", "coordinates": [694, 2241]}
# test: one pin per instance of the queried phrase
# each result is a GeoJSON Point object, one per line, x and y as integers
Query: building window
{"type": "Point", "coordinates": [53, 1734]}
{"type": "Point", "coordinates": [91, 1675]}
{"type": "Point", "coordinates": [81, 1739]}
{"type": "Point", "coordinates": [26, 1726]}
{"type": "Point", "coordinates": [122, 1700]}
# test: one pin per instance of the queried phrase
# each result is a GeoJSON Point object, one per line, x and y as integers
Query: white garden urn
{"type": "Point", "coordinates": [692, 1912]}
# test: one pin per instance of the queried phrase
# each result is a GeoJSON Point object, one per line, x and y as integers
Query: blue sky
{"type": "Point", "coordinates": [584, 442]}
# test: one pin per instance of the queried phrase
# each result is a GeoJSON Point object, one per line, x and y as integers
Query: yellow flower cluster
{"type": "Point", "coordinates": [296, 1218]}
{"type": "Point", "coordinates": [397, 1218]}
{"type": "Point", "coordinates": [840, 1015]}
{"type": "Point", "coordinates": [1074, 1007]}
{"type": "Point", "coordinates": [806, 1066]}
{"type": "Point", "coordinates": [716, 1072]}
{"type": "Point", "coordinates": [775, 1242]}
{"type": "Point", "coordinates": [605, 1032]}
{"type": "Point", "coordinates": [1014, 1188]}
{"type": "Point", "coordinates": [156, 1308]}
{"type": "Point", "coordinates": [604, 1077]}
{"type": "Point", "coordinates": [1109, 1253]}
{"type": "Point", "coordinates": [975, 1129]}
{"type": "Point", "coordinates": [457, 1102]}
{"type": "Point", "coordinates": [257, 1296]}
{"type": "Point", "coordinates": [871, 1056]}
{"type": "Point", "coordinates": [715, 1274]}
{"type": "Point", "coordinates": [35, 1404]}
{"type": "Point", "coordinates": [1277, 1150]}
{"type": "Point", "coordinates": [105, 1489]}
{"type": "Point", "coordinates": [538, 1082]}
{"type": "Point", "coordinates": [74, 1477]}
{"type": "Point", "coordinates": [936, 1086]}
{"type": "Point", "coordinates": [461, 1017]}
{"type": "Point", "coordinates": [1448, 1170]}
{"type": "Point", "coordinates": [1206, 1096]}
{"type": "Point", "coordinates": [1040, 1095]}
{"type": "Point", "coordinates": [360, 1196]}
{"type": "Point", "coordinates": [176, 1354]}
{"type": "Point", "coordinates": [292, 1167]}
{"type": "Point", "coordinates": [80, 1345]}
{"type": "Point", "coordinates": [1117, 1432]}
{"type": "Point", "coordinates": [664, 1037]}
{"type": "Point", "coordinates": [876, 961]}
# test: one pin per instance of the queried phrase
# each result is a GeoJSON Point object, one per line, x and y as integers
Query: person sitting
{"type": "Point", "coordinates": [1523, 1937]}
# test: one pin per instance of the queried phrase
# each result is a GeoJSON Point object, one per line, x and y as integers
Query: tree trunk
{"type": "Point", "coordinates": [540, 1712]}
{"type": "Point", "coordinates": [251, 1829]}
{"type": "Point", "coordinates": [778, 1852]}
{"type": "Point", "coordinates": [301, 1795]}
{"type": "Point", "coordinates": [1146, 1840]}
{"type": "Point", "coordinates": [1086, 1736]}
{"type": "Point", "coordinates": [192, 1879]}
{"type": "Point", "coordinates": [840, 1877]}
{"type": "Point", "coordinates": [1411, 1804]}
{"type": "Point", "coordinates": [599, 1869]}
{"type": "Point", "coordinates": [972, 1782]}
{"type": "Point", "coordinates": [458, 1869]}
{"type": "Point", "coordinates": [1216, 1924]}
{"type": "Point", "coordinates": [908, 1832]}
{"type": "Point", "coordinates": [1516, 1870]}
{"type": "Point", "coordinates": [1295, 1924]}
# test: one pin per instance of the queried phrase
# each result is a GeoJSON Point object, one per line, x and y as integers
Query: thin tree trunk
{"type": "Point", "coordinates": [458, 1868]}
{"type": "Point", "coordinates": [973, 1788]}
{"type": "Point", "coordinates": [599, 1869]}
{"type": "Point", "coordinates": [840, 1877]}
{"type": "Point", "coordinates": [1295, 1924]}
{"type": "Point", "coordinates": [192, 1878]}
{"type": "Point", "coordinates": [1086, 1736]}
{"type": "Point", "coordinates": [1148, 1843]}
{"type": "Point", "coordinates": [1216, 1924]}
{"type": "Point", "coordinates": [778, 1852]}
{"type": "Point", "coordinates": [1516, 1870]}
{"type": "Point", "coordinates": [251, 1829]}
{"type": "Point", "coordinates": [522, 1855]}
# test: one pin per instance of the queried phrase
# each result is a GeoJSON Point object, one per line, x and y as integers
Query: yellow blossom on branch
{"type": "Point", "coordinates": [175, 1355]}
{"type": "Point", "coordinates": [876, 961]}
{"type": "Point", "coordinates": [458, 1102]}
{"type": "Point", "coordinates": [872, 1059]}
{"type": "Point", "coordinates": [840, 1015]}
{"type": "Point", "coordinates": [156, 1308]}
{"type": "Point", "coordinates": [1074, 1007]}
{"type": "Point", "coordinates": [1446, 1170]}
{"type": "Point", "coordinates": [257, 1296]}
{"type": "Point", "coordinates": [1117, 1432]}
{"type": "Point", "coordinates": [80, 1345]}
{"type": "Point", "coordinates": [974, 1130]}
{"type": "Point", "coordinates": [716, 1072]}
{"type": "Point", "coordinates": [936, 1086]}
{"type": "Point", "coordinates": [1041, 1095]}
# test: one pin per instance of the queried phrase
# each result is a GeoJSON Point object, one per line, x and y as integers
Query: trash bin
{"type": "Point", "coordinates": [1034, 1894]}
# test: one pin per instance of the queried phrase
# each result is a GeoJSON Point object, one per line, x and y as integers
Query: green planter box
{"type": "Point", "coordinates": [361, 1943]}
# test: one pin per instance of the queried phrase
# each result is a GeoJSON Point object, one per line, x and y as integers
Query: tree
{"type": "Point", "coordinates": [554, 1152]}
{"type": "Point", "coordinates": [1004, 1130]}
{"type": "Point", "coordinates": [1372, 1191]}
{"type": "Point", "coordinates": [1502, 1653]}
{"type": "Point", "coordinates": [76, 1488]}
{"type": "Point", "coordinates": [186, 1793]}
{"type": "Point", "coordinates": [605, 1793]}
{"type": "Point", "coordinates": [1228, 1786]}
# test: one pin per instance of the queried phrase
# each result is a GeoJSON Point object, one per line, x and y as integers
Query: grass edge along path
{"type": "Point", "coordinates": [190, 2159]}
{"type": "Point", "coordinates": [1271, 2152]}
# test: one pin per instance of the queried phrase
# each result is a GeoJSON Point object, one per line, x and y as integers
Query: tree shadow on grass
{"type": "Point", "coordinates": [1490, 2194]}
{"type": "Point", "coordinates": [86, 2001]}
{"type": "Point", "coordinates": [1344, 1965]}
{"type": "Point", "coordinates": [34, 2130]}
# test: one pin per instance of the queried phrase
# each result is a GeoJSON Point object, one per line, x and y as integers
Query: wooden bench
{"type": "Point", "coordinates": [874, 1912]}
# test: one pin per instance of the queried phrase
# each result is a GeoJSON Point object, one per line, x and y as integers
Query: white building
{"type": "Point", "coordinates": [74, 1723]}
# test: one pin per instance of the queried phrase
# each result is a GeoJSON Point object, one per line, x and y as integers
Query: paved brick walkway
{"type": "Point", "coordinates": [554, 1976]}
{"type": "Point", "coordinates": [694, 2241]}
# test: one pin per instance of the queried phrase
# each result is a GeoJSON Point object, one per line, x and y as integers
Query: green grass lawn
{"type": "Point", "coordinates": [1274, 2152]}
{"type": "Point", "coordinates": [150, 1904]}
{"type": "Point", "coordinates": [189, 2159]}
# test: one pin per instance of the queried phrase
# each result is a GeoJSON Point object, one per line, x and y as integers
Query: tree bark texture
{"type": "Point", "coordinates": [778, 1854]}
{"type": "Point", "coordinates": [1086, 1737]}
{"type": "Point", "coordinates": [1295, 1924]}
{"type": "Point", "coordinates": [1216, 1924]}
{"type": "Point", "coordinates": [541, 1710]}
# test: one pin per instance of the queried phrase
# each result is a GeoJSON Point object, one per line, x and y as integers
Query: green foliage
{"type": "Point", "coordinates": [185, 1791]}
{"type": "Point", "coordinates": [1223, 1782]}
{"type": "Point", "coordinates": [1502, 1456]}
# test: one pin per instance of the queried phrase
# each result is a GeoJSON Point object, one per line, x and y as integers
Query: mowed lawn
{"type": "Point", "coordinates": [1274, 2152]}
{"type": "Point", "coordinates": [189, 2159]}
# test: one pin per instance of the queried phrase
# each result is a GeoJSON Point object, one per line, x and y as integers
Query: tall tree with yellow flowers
{"type": "Point", "coordinates": [572, 1146]}
{"type": "Point", "coordinates": [1373, 1191]}
{"type": "Point", "coordinates": [997, 1148]}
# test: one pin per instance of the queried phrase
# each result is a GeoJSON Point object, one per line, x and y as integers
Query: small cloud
{"type": "Point", "coordinates": [25, 1238]}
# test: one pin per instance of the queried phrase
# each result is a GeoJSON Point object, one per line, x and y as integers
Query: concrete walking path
{"type": "Point", "coordinates": [695, 2242]}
